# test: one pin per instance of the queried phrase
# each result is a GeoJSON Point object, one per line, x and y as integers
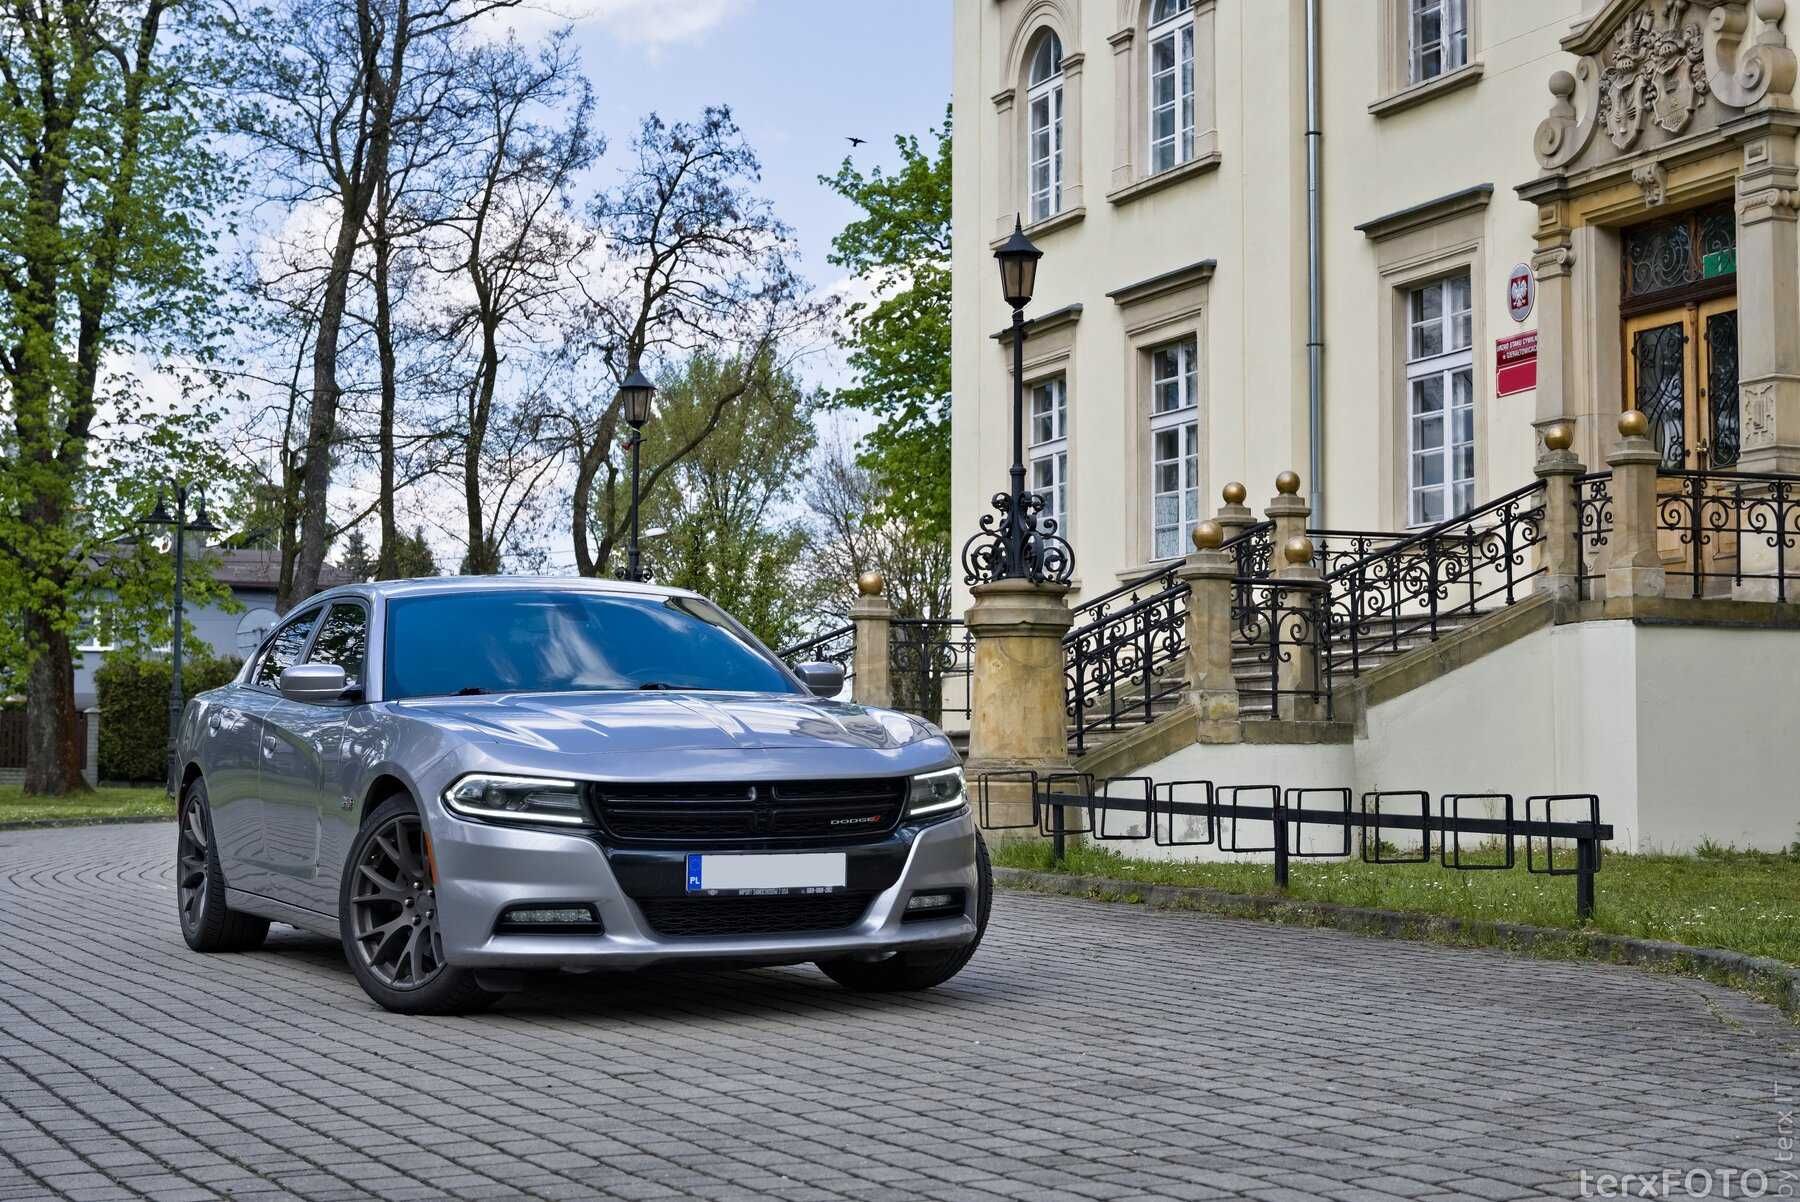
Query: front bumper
{"type": "Point", "coordinates": [483, 869]}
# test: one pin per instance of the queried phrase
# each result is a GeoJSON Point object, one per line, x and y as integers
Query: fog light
{"type": "Point", "coordinates": [578, 917]}
{"type": "Point", "coordinates": [925, 905]}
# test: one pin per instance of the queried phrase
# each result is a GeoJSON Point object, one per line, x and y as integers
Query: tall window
{"type": "Point", "coordinates": [1050, 448]}
{"type": "Point", "coordinates": [1438, 33]}
{"type": "Point", "coordinates": [1174, 446]}
{"type": "Point", "coordinates": [1044, 101]}
{"type": "Point", "coordinates": [1171, 84]}
{"type": "Point", "coordinates": [1440, 389]}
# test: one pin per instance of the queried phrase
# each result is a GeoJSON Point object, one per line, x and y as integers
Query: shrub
{"type": "Point", "coordinates": [134, 709]}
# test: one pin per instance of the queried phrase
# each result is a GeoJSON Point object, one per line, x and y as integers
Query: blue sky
{"type": "Point", "coordinates": [801, 76]}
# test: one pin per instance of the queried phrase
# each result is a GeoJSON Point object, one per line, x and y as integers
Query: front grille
{"type": "Point", "coordinates": [694, 815]}
{"type": "Point", "coordinates": [703, 917]}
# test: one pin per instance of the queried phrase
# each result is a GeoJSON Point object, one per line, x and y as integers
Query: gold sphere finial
{"type": "Point", "coordinates": [870, 583]}
{"type": "Point", "coordinates": [1559, 437]}
{"type": "Point", "coordinates": [1235, 493]}
{"type": "Point", "coordinates": [1297, 550]}
{"type": "Point", "coordinates": [1633, 424]}
{"type": "Point", "coordinates": [1209, 536]}
{"type": "Point", "coordinates": [1288, 483]}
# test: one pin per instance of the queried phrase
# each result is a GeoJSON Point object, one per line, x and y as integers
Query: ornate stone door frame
{"type": "Point", "coordinates": [1670, 103]}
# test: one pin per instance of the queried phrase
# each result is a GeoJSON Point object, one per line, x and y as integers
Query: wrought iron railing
{"type": "Point", "coordinates": [1122, 658]}
{"type": "Point", "coordinates": [1593, 529]}
{"type": "Point", "coordinates": [1281, 626]}
{"type": "Point", "coordinates": [1729, 528]}
{"type": "Point", "coordinates": [930, 662]}
{"type": "Point", "coordinates": [1411, 589]}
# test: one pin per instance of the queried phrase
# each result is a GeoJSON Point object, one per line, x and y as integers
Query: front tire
{"type": "Point", "coordinates": [387, 918]}
{"type": "Point", "coordinates": [206, 923]}
{"type": "Point", "coordinates": [907, 971]}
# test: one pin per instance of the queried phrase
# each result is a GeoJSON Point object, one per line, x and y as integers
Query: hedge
{"type": "Point", "coordinates": [134, 709]}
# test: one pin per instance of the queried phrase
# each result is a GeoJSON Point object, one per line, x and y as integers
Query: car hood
{"type": "Point", "coordinates": [635, 723]}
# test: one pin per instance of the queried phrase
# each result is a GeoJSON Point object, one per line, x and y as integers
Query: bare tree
{"type": "Point", "coordinates": [328, 80]}
{"type": "Point", "coordinates": [509, 245]}
{"type": "Point", "coordinates": [698, 260]}
{"type": "Point", "coordinates": [852, 536]}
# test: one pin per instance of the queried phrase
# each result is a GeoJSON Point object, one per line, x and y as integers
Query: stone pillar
{"type": "Point", "coordinates": [1768, 289]}
{"type": "Point", "coordinates": [1235, 517]}
{"type": "Point", "coordinates": [1288, 510]}
{"type": "Point", "coordinates": [1557, 467]}
{"type": "Point", "coordinates": [1297, 616]}
{"type": "Point", "coordinates": [1634, 567]}
{"type": "Point", "coordinates": [1553, 263]}
{"type": "Point", "coordinates": [1212, 691]}
{"type": "Point", "coordinates": [871, 681]}
{"type": "Point", "coordinates": [1017, 721]}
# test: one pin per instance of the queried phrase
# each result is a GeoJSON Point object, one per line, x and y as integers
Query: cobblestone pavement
{"type": "Point", "coordinates": [1089, 1051]}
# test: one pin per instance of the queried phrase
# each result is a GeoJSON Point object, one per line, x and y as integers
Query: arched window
{"type": "Point", "coordinates": [1171, 98]}
{"type": "Point", "coordinates": [1044, 127]}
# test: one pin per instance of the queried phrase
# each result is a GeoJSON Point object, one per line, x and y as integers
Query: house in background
{"type": "Point", "coordinates": [252, 575]}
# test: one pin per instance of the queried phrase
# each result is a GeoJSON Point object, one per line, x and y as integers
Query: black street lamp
{"type": "Point", "coordinates": [182, 528]}
{"type": "Point", "coordinates": [1018, 544]}
{"type": "Point", "coordinates": [635, 395]}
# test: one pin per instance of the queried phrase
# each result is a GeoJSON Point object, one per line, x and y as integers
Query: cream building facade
{"type": "Point", "coordinates": [1636, 158]}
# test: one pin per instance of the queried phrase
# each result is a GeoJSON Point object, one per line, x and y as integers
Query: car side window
{"type": "Point", "coordinates": [343, 640]}
{"type": "Point", "coordinates": [283, 650]}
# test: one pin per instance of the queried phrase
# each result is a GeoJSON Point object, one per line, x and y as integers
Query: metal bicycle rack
{"type": "Point", "coordinates": [1558, 842]}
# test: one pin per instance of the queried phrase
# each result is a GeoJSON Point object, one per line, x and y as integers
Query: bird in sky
{"type": "Point", "coordinates": [855, 141]}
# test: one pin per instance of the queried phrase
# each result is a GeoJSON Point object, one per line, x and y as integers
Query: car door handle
{"type": "Point", "coordinates": [212, 723]}
{"type": "Point", "coordinates": [268, 745]}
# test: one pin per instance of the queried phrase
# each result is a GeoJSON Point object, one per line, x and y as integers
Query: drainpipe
{"type": "Point", "coordinates": [1315, 300]}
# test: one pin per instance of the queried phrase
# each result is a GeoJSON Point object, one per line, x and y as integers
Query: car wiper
{"type": "Point", "coordinates": [470, 691]}
{"type": "Point", "coordinates": [665, 685]}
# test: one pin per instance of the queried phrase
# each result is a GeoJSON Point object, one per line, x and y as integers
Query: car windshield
{"type": "Point", "coordinates": [559, 641]}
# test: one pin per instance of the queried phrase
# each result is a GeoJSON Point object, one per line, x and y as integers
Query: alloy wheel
{"type": "Point", "coordinates": [393, 906]}
{"type": "Point", "coordinates": [193, 881]}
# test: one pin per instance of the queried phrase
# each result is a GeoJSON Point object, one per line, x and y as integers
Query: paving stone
{"type": "Point", "coordinates": [1090, 1051]}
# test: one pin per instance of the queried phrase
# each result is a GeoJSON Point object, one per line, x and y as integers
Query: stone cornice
{"type": "Point", "coordinates": [1430, 212]}
{"type": "Point", "coordinates": [1169, 281]}
{"type": "Point", "coordinates": [1053, 320]}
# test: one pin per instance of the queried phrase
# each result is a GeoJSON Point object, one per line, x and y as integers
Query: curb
{"type": "Point", "coordinates": [45, 824]}
{"type": "Point", "coordinates": [1773, 980]}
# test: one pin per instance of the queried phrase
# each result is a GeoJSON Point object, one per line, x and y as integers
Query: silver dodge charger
{"type": "Point", "coordinates": [469, 780]}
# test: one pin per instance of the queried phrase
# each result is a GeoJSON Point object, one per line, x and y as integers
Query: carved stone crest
{"type": "Point", "coordinates": [1757, 407]}
{"type": "Point", "coordinates": [1653, 180]}
{"type": "Point", "coordinates": [1655, 71]}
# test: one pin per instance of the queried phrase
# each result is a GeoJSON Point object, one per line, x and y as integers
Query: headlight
{"type": "Point", "coordinates": [525, 799]}
{"type": "Point", "coordinates": [935, 793]}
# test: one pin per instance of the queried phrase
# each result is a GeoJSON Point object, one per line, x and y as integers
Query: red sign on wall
{"type": "Point", "coordinates": [1515, 363]}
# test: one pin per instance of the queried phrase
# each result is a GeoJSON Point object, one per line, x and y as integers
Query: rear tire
{"type": "Point", "coordinates": [206, 923]}
{"type": "Point", "coordinates": [907, 971]}
{"type": "Point", "coordinates": [387, 919]}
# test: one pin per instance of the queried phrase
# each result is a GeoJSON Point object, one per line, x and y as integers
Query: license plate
{"type": "Point", "coordinates": [812, 872]}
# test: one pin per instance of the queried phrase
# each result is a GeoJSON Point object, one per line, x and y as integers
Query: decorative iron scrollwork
{"type": "Point", "coordinates": [1015, 543]}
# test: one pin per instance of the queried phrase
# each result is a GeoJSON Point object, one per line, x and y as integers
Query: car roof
{"type": "Point", "coordinates": [432, 585]}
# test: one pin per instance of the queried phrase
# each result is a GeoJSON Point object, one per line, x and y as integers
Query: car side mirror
{"type": "Point", "coordinates": [313, 682]}
{"type": "Point", "coordinates": [821, 679]}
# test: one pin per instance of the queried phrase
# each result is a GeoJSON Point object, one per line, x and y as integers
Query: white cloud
{"type": "Point", "coordinates": [651, 24]}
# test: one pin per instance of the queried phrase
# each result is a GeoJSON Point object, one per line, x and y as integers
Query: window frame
{"type": "Point", "coordinates": [1050, 92]}
{"type": "Point", "coordinates": [1184, 420]}
{"type": "Point", "coordinates": [1053, 450]}
{"type": "Point", "coordinates": [1448, 362]}
{"type": "Point", "coordinates": [1182, 140]}
{"type": "Point", "coordinates": [348, 602]}
{"type": "Point", "coordinates": [253, 665]}
{"type": "Point", "coordinates": [1453, 46]}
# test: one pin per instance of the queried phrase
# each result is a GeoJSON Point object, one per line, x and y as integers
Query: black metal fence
{"type": "Point", "coordinates": [1561, 832]}
{"type": "Point", "coordinates": [930, 666]}
{"type": "Point", "coordinates": [1593, 529]}
{"type": "Point", "coordinates": [1283, 650]}
{"type": "Point", "coordinates": [1725, 528]}
{"type": "Point", "coordinates": [834, 646]}
{"type": "Point", "coordinates": [1119, 667]}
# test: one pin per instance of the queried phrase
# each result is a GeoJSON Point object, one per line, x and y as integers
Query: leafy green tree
{"type": "Point", "coordinates": [899, 340]}
{"type": "Point", "coordinates": [413, 557]}
{"type": "Point", "coordinates": [733, 532]}
{"type": "Point", "coordinates": [108, 191]}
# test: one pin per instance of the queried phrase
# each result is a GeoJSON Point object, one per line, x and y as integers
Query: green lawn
{"type": "Point", "coordinates": [98, 806]}
{"type": "Point", "coordinates": [1744, 901]}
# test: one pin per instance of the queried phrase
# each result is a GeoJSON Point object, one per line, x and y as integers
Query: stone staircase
{"type": "Point", "coordinates": [1124, 711]}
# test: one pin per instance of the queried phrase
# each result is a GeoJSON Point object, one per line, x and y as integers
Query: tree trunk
{"type": "Point", "coordinates": [387, 560]}
{"type": "Point", "coordinates": [52, 754]}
